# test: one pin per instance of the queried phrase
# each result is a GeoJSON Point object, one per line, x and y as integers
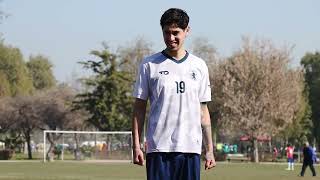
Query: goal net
{"type": "Point", "coordinates": [87, 145]}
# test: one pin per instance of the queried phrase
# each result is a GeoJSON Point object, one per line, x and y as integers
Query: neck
{"type": "Point", "coordinates": [179, 54]}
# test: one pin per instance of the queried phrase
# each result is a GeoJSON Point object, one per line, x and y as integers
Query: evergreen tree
{"type": "Point", "coordinates": [109, 98]}
{"type": "Point", "coordinates": [311, 64]}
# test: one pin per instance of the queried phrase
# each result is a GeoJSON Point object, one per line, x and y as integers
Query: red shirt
{"type": "Point", "coordinates": [289, 152]}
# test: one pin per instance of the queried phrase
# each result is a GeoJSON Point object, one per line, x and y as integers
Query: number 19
{"type": "Point", "coordinates": [180, 87]}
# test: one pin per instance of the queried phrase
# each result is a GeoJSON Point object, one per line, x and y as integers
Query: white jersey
{"type": "Point", "coordinates": [176, 90]}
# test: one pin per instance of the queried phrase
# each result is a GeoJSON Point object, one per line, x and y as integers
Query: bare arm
{"type": "Point", "coordinates": [139, 111]}
{"type": "Point", "coordinates": [207, 136]}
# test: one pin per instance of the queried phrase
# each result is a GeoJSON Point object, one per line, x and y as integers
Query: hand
{"type": "Point", "coordinates": [210, 161]}
{"type": "Point", "coordinates": [138, 157]}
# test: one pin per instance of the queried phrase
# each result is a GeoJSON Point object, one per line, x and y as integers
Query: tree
{"type": "Point", "coordinates": [109, 100]}
{"type": "Point", "coordinates": [40, 69]}
{"type": "Point", "coordinates": [14, 70]}
{"type": "Point", "coordinates": [133, 54]}
{"type": "Point", "coordinates": [56, 113]}
{"type": "Point", "coordinates": [9, 131]}
{"type": "Point", "coordinates": [5, 86]}
{"type": "Point", "coordinates": [256, 92]}
{"type": "Point", "coordinates": [302, 127]}
{"type": "Point", "coordinates": [311, 64]}
{"type": "Point", "coordinates": [27, 117]}
{"type": "Point", "coordinates": [74, 81]}
{"type": "Point", "coordinates": [56, 109]}
{"type": "Point", "coordinates": [203, 49]}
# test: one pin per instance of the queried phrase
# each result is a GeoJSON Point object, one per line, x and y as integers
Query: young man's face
{"type": "Point", "coordinates": [174, 37]}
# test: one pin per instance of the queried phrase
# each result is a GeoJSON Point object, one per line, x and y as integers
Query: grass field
{"type": "Point", "coordinates": [125, 171]}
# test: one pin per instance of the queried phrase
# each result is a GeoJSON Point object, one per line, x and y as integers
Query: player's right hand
{"type": "Point", "coordinates": [138, 157]}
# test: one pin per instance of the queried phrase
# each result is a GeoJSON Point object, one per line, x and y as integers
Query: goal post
{"type": "Point", "coordinates": [87, 145]}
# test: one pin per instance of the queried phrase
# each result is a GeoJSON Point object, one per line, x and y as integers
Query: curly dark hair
{"type": "Point", "coordinates": [175, 16]}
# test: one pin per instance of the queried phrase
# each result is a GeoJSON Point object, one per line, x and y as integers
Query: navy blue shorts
{"type": "Point", "coordinates": [173, 166]}
{"type": "Point", "coordinates": [290, 160]}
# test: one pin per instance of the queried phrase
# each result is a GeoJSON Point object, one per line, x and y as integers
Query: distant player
{"type": "Point", "coordinates": [275, 154]}
{"type": "Point", "coordinates": [289, 151]}
{"type": "Point", "coordinates": [308, 159]}
{"type": "Point", "coordinates": [178, 87]}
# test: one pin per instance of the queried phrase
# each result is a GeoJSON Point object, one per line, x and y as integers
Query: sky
{"type": "Point", "coordinates": [66, 31]}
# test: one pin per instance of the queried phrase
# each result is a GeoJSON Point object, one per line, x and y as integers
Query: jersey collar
{"type": "Point", "coordinates": [173, 59]}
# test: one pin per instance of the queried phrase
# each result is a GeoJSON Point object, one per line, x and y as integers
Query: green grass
{"type": "Point", "coordinates": [123, 171]}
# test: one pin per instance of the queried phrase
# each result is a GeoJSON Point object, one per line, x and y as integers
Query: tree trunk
{"type": "Point", "coordinates": [28, 139]}
{"type": "Point", "coordinates": [50, 154]}
{"type": "Point", "coordinates": [77, 154]}
{"type": "Point", "coordinates": [270, 146]}
{"type": "Point", "coordinates": [109, 141]}
{"type": "Point", "coordinates": [214, 137]}
{"type": "Point", "coordinates": [255, 150]}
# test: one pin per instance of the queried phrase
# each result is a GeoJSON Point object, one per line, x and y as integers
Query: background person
{"type": "Point", "coordinates": [308, 159]}
{"type": "Point", "coordinates": [289, 152]}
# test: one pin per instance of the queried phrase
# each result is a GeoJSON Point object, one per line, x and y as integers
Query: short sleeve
{"type": "Point", "coordinates": [205, 88]}
{"type": "Point", "coordinates": [141, 87]}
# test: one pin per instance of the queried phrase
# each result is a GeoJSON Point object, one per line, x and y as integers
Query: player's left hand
{"type": "Point", "coordinates": [209, 164]}
{"type": "Point", "coordinates": [210, 161]}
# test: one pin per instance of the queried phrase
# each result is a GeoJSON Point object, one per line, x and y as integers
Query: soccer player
{"type": "Point", "coordinates": [289, 151]}
{"type": "Point", "coordinates": [178, 87]}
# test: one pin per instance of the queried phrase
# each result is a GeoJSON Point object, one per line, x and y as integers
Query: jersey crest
{"type": "Point", "coordinates": [194, 75]}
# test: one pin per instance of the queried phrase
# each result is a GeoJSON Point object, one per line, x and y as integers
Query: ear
{"type": "Point", "coordinates": [188, 29]}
